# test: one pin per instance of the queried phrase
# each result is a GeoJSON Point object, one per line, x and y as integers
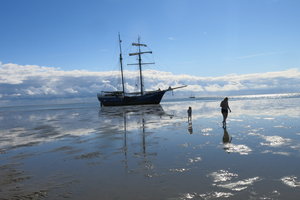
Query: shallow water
{"type": "Point", "coordinates": [79, 151]}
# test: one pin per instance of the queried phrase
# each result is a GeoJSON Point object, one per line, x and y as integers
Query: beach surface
{"type": "Point", "coordinates": [81, 151]}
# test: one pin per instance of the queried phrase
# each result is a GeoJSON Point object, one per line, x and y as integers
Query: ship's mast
{"type": "Point", "coordinates": [139, 53]}
{"type": "Point", "coordinates": [140, 68]}
{"type": "Point", "coordinates": [121, 64]}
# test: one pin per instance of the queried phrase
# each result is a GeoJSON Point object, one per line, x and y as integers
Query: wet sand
{"type": "Point", "coordinates": [79, 151]}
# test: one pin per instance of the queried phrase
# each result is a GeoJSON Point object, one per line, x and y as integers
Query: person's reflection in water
{"type": "Point", "coordinates": [226, 139]}
{"type": "Point", "coordinates": [190, 127]}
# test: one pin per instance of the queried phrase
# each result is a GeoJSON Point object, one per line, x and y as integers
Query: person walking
{"type": "Point", "coordinates": [224, 110]}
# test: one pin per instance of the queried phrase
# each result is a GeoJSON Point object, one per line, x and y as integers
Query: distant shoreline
{"type": "Point", "coordinates": [93, 100]}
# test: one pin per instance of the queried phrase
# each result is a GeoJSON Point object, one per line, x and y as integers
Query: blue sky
{"type": "Point", "coordinates": [195, 37]}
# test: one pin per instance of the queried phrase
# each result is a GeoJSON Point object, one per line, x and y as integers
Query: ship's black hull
{"type": "Point", "coordinates": [115, 100]}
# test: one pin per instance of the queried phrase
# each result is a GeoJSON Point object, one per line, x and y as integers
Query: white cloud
{"type": "Point", "coordinates": [37, 81]}
{"type": "Point", "coordinates": [171, 38]}
{"type": "Point", "coordinates": [258, 55]}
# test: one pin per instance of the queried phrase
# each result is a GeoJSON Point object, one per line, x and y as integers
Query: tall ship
{"type": "Point", "coordinates": [123, 98]}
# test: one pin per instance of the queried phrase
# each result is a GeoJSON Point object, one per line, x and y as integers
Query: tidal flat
{"type": "Point", "coordinates": [81, 151]}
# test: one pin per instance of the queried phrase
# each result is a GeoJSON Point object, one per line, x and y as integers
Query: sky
{"type": "Point", "coordinates": [203, 39]}
{"type": "Point", "coordinates": [196, 37]}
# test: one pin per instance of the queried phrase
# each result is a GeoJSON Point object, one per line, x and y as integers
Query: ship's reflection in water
{"type": "Point", "coordinates": [136, 119]}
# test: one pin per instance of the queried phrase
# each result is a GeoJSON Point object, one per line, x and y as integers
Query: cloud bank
{"type": "Point", "coordinates": [32, 81]}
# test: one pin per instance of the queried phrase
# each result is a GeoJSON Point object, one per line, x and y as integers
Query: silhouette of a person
{"type": "Point", "coordinates": [189, 111]}
{"type": "Point", "coordinates": [224, 110]}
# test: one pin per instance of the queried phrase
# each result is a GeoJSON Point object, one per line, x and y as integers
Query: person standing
{"type": "Point", "coordinates": [189, 111]}
{"type": "Point", "coordinates": [224, 110]}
